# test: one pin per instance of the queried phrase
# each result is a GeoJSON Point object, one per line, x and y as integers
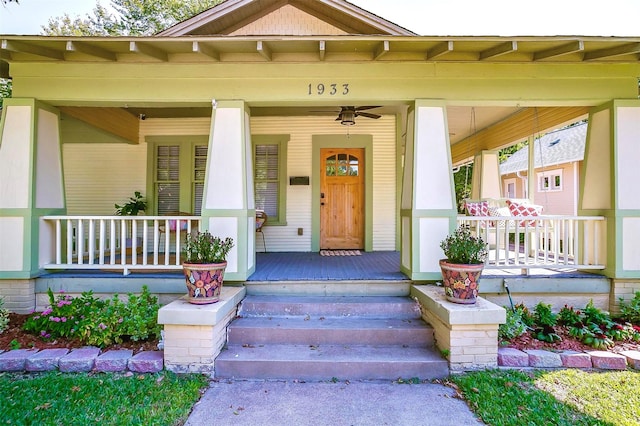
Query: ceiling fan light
{"type": "Point", "coordinates": [347, 118]}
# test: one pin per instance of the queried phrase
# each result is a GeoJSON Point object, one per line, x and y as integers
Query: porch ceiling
{"type": "Point", "coordinates": [199, 49]}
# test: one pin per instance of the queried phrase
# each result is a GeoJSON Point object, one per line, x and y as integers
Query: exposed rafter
{"type": "Point", "coordinates": [381, 50]}
{"type": "Point", "coordinates": [264, 50]}
{"type": "Point", "coordinates": [20, 47]}
{"type": "Point", "coordinates": [626, 49]}
{"type": "Point", "coordinates": [322, 50]}
{"type": "Point", "coordinates": [565, 49]}
{"type": "Point", "coordinates": [499, 50]}
{"type": "Point", "coordinates": [148, 50]}
{"type": "Point", "coordinates": [439, 49]}
{"type": "Point", "coordinates": [205, 50]}
{"type": "Point", "coordinates": [87, 49]}
{"type": "Point", "coordinates": [515, 128]}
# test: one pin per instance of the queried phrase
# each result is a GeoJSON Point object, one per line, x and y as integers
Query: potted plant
{"type": "Point", "coordinates": [205, 260]}
{"type": "Point", "coordinates": [461, 270]}
{"type": "Point", "coordinates": [132, 207]}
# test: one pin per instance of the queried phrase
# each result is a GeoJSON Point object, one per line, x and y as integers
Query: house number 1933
{"type": "Point", "coordinates": [328, 89]}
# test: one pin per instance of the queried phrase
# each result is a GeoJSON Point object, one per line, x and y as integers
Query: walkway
{"type": "Point", "coordinates": [258, 403]}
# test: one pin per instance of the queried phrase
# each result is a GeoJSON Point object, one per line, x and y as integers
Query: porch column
{"type": "Point", "coordinates": [31, 186]}
{"type": "Point", "coordinates": [609, 187]}
{"type": "Point", "coordinates": [228, 206]}
{"type": "Point", "coordinates": [428, 208]}
{"type": "Point", "coordinates": [485, 182]}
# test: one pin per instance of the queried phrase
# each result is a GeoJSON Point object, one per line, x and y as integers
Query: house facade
{"type": "Point", "coordinates": [556, 175]}
{"type": "Point", "coordinates": [343, 126]}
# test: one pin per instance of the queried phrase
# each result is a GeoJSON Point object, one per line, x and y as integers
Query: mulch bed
{"type": "Point", "coordinates": [29, 341]}
{"type": "Point", "coordinates": [568, 343]}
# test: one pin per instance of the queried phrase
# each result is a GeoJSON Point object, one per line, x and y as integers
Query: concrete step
{"type": "Point", "coordinates": [325, 362]}
{"type": "Point", "coordinates": [329, 306]}
{"type": "Point", "coordinates": [315, 331]}
{"type": "Point", "coordinates": [330, 288]}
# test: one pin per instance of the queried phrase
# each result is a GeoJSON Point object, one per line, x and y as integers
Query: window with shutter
{"type": "Point", "coordinates": [270, 176]}
{"type": "Point", "coordinates": [179, 168]}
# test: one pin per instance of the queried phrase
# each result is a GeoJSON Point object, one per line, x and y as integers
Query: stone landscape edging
{"type": "Point", "coordinates": [540, 358]}
{"type": "Point", "coordinates": [81, 360]}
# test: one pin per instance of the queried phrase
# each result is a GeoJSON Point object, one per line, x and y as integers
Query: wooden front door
{"type": "Point", "coordinates": [342, 198]}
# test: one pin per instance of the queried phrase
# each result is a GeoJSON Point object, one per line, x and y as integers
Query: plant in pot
{"type": "Point", "coordinates": [205, 260]}
{"type": "Point", "coordinates": [132, 207]}
{"type": "Point", "coordinates": [461, 270]}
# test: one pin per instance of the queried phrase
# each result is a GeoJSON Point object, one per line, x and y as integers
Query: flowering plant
{"type": "Point", "coordinates": [94, 321]}
{"type": "Point", "coordinates": [202, 247]}
{"type": "Point", "coordinates": [463, 248]}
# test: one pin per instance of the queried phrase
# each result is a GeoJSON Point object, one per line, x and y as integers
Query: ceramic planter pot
{"type": "Point", "coordinates": [204, 281]}
{"type": "Point", "coordinates": [460, 281]}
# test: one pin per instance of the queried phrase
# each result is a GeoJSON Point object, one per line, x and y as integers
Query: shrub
{"type": "Point", "coordinates": [97, 322]}
{"type": "Point", "coordinates": [546, 320]}
{"type": "Point", "coordinates": [570, 317]}
{"type": "Point", "coordinates": [630, 312]}
{"type": "Point", "coordinates": [4, 316]}
{"type": "Point", "coordinates": [513, 327]}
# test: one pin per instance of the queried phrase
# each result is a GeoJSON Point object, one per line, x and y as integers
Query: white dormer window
{"type": "Point", "coordinates": [550, 180]}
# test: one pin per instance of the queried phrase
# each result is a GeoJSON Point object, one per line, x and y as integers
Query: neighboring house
{"type": "Point", "coordinates": [558, 157]}
{"type": "Point", "coordinates": [258, 105]}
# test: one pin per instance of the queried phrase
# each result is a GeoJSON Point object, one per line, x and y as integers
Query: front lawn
{"type": "Point", "coordinates": [561, 397]}
{"type": "Point", "coordinates": [114, 399]}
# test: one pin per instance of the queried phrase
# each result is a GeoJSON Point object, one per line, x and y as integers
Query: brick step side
{"type": "Point", "coordinates": [329, 306]}
{"type": "Point", "coordinates": [324, 362]}
{"type": "Point", "coordinates": [353, 331]}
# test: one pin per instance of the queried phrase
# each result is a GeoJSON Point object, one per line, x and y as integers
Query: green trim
{"type": "Point", "coordinates": [185, 142]}
{"type": "Point", "coordinates": [399, 157]}
{"type": "Point", "coordinates": [342, 141]}
{"type": "Point", "coordinates": [282, 142]}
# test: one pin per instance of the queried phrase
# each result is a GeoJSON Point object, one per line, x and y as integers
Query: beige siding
{"type": "Point", "coordinates": [99, 175]}
{"type": "Point", "coordinates": [301, 129]}
{"type": "Point", "coordinates": [288, 20]}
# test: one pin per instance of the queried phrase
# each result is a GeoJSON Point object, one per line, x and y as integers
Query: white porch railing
{"type": "Point", "coordinates": [119, 242]}
{"type": "Point", "coordinates": [573, 242]}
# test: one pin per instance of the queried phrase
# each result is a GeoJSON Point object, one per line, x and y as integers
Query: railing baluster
{"type": "Point", "coordinates": [80, 241]}
{"type": "Point", "coordinates": [145, 241]}
{"type": "Point", "coordinates": [92, 242]}
{"type": "Point", "coordinates": [123, 242]}
{"type": "Point", "coordinates": [58, 242]}
{"type": "Point", "coordinates": [69, 242]}
{"type": "Point", "coordinates": [167, 242]}
{"type": "Point", "coordinates": [101, 242]}
{"type": "Point", "coordinates": [156, 240]}
{"type": "Point", "coordinates": [134, 242]}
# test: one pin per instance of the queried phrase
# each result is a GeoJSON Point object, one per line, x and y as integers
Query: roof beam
{"type": "Point", "coordinates": [499, 50]}
{"type": "Point", "coordinates": [205, 50]}
{"type": "Point", "coordinates": [16, 46]}
{"type": "Point", "coordinates": [112, 120]}
{"type": "Point", "coordinates": [439, 49]}
{"type": "Point", "coordinates": [87, 49]}
{"type": "Point", "coordinates": [626, 49]}
{"type": "Point", "coordinates": [264, 50]}
{"type": "Point", "coordinates": [322, 49]}
{"type": "Point", "coordinates": [148, 50]}
{"type": "Point", "coordinates": [381, 50]}
{"type": "Point", "coordinates": [515, 128]}
{"type": "Point", "coordinates": [565, 49]}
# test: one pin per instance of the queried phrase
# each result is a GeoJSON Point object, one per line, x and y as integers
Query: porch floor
{"type": "Point", "coordinates": [379, 265]}
{"type": "Point", "coordinates": [311, 266]}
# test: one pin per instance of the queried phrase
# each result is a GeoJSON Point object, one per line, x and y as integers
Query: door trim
{"type": "Point", "coordinates": [342, 141]}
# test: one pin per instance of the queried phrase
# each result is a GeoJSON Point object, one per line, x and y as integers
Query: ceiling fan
{"type": "Point", "coordinates": [347, 115]}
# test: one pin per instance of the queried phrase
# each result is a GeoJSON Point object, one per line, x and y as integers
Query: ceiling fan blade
{"type": "Point", "coordinates": [362, 108]}
{"type": "Point", "coordinates": [368, 115]}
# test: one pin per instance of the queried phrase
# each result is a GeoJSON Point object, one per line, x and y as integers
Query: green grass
{"type": "Point", "coordinates": [562, 397]}
{"type": "Point", "coordinates": [80, 399]}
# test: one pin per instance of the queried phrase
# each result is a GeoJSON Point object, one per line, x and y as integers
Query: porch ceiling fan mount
{"type": "Point", "coordinates": [347, 115]}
